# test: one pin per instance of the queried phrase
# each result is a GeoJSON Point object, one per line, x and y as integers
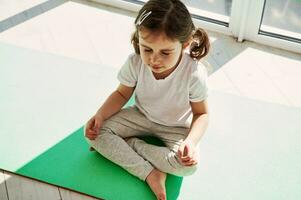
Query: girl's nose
{"type": "Point", "coordinates": [154, 59]}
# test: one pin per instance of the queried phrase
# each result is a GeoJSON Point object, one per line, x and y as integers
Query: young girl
{"type": "Point", "coordinates": [170, 94]}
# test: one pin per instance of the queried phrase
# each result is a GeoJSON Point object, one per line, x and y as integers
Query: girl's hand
{"type": "Point", "coordinates": [188, 153]}
{"type": "Point", "coordinates": [93, 126]}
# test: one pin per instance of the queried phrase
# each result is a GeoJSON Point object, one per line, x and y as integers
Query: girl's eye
{"type": "Point", "coordinates": [162, 53]}
{"type": "Point", "coordinates": [165, 54]}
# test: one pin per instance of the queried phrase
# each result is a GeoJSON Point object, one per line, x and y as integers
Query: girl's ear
{"type": "Point", "coordinates": [187, 43]}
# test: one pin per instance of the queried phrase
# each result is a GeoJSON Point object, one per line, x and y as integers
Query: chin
{"type": "Point", "coordinates": [158, 70]}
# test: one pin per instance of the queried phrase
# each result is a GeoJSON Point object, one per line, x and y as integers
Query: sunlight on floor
{"type": "Point", "coordinates": [88, 33]}
{"type": "Point", "coordinates": [260, 75]}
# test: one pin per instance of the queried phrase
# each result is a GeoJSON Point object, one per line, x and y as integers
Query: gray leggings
{"type": "Point", "coordinates": [136, 156]}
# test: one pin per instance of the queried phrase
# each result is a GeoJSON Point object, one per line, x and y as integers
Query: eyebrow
{"type": "Point", "coordinates": [161, 49]}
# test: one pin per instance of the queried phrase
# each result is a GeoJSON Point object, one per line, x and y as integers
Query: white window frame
{"type": "Point", "coordinates": [244, 22]}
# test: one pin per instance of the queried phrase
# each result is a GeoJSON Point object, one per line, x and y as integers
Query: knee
{"type": "Point", "coordinates": [104, 137]}
{"type": "Point", "coordinates": [179, 169]}
{"type": "Point", "coordinates": [183, 170]}
{"type": "Point", "coordinates": [92, 142]}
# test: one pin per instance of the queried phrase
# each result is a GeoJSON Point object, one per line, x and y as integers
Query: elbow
{"type": "Point", "coordinates": [201, 117]}
{"type": "Point", "coordinates": [205, 117]}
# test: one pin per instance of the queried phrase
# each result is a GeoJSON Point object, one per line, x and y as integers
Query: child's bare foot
{"type": "Point", "coordinates": [156, 181]}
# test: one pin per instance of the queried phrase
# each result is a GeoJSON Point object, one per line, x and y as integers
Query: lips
{"type": "Point", "coordinates": [156, 67]}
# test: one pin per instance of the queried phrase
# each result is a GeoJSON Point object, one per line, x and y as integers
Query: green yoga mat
{"type": "Point", "coordinates": [71, 165]}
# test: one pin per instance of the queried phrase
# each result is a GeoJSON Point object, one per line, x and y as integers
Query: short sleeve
{"type": "Point", "coordinates": [198, 87]}
{"type": "Point", "coordinates": [128, 74]}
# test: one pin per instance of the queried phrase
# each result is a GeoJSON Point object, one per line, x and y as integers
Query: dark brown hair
{"type": "Point", "coordinates": [172, 18]}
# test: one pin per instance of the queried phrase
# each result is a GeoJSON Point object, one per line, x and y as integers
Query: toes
{"type": "Point", "coordinates": [161, 196]}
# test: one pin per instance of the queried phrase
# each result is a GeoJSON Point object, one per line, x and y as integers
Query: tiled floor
{"type": "Point", "coordinates": [13, 7]}
{"type": "Point", "coordinates": [16, 12]}
{"type": "Point", "coordinates": [99, 35]}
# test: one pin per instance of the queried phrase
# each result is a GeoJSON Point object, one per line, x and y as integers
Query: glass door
{"type": "Point", "coordinates": [215, 11]}
{"type": "Point", "coordinates": [282, 19]}
{"type": "Point", "coordinates": [271, 22]}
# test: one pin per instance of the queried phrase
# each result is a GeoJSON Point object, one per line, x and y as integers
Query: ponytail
{"type": "Point", "coordinates": [200, 45]}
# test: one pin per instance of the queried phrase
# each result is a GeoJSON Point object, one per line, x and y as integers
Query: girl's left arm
{"type": "Point", "coordinates": [187, 151]}
{"type": "Point", "coordinates": [200, 121]}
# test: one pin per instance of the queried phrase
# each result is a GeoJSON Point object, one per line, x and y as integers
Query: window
{"type": "Point", "coordinates": [282, 19]}
{"type": "Point", "coordinates": [272, 22]}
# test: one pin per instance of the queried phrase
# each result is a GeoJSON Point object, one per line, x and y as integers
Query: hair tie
{"type": "Point", "coordinates": [196, 42]}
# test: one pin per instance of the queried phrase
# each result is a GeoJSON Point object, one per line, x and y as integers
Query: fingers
{"type": "Point", "coordinates": [96, 126]}
{"type": "Point", "coordinates": [92, 129]}
{"type": "Point", "coordinates": [180, 151]}
{"type": "Point", "coordinates": [91, 134]}
{"type": "Point", "coordinates": [187, 157]}
{"type": "Point", "coordinates": [184, 153]}
{"type": "Point", "coordinates": [88, 128]}
{"type": "Point", "coordinates": [189, 161]}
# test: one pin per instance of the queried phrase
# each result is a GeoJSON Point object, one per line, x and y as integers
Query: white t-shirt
{"type": "Point", "coordinates": [166, 101]}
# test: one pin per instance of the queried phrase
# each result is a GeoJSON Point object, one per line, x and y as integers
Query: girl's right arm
{"type": "Point", "coordinates": [112, 105]}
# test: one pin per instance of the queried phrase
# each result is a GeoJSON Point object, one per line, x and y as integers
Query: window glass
{"type": "Point", "coordinates": [282, 18]}
{"type": "Point", "coordinates": [219, 10]}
